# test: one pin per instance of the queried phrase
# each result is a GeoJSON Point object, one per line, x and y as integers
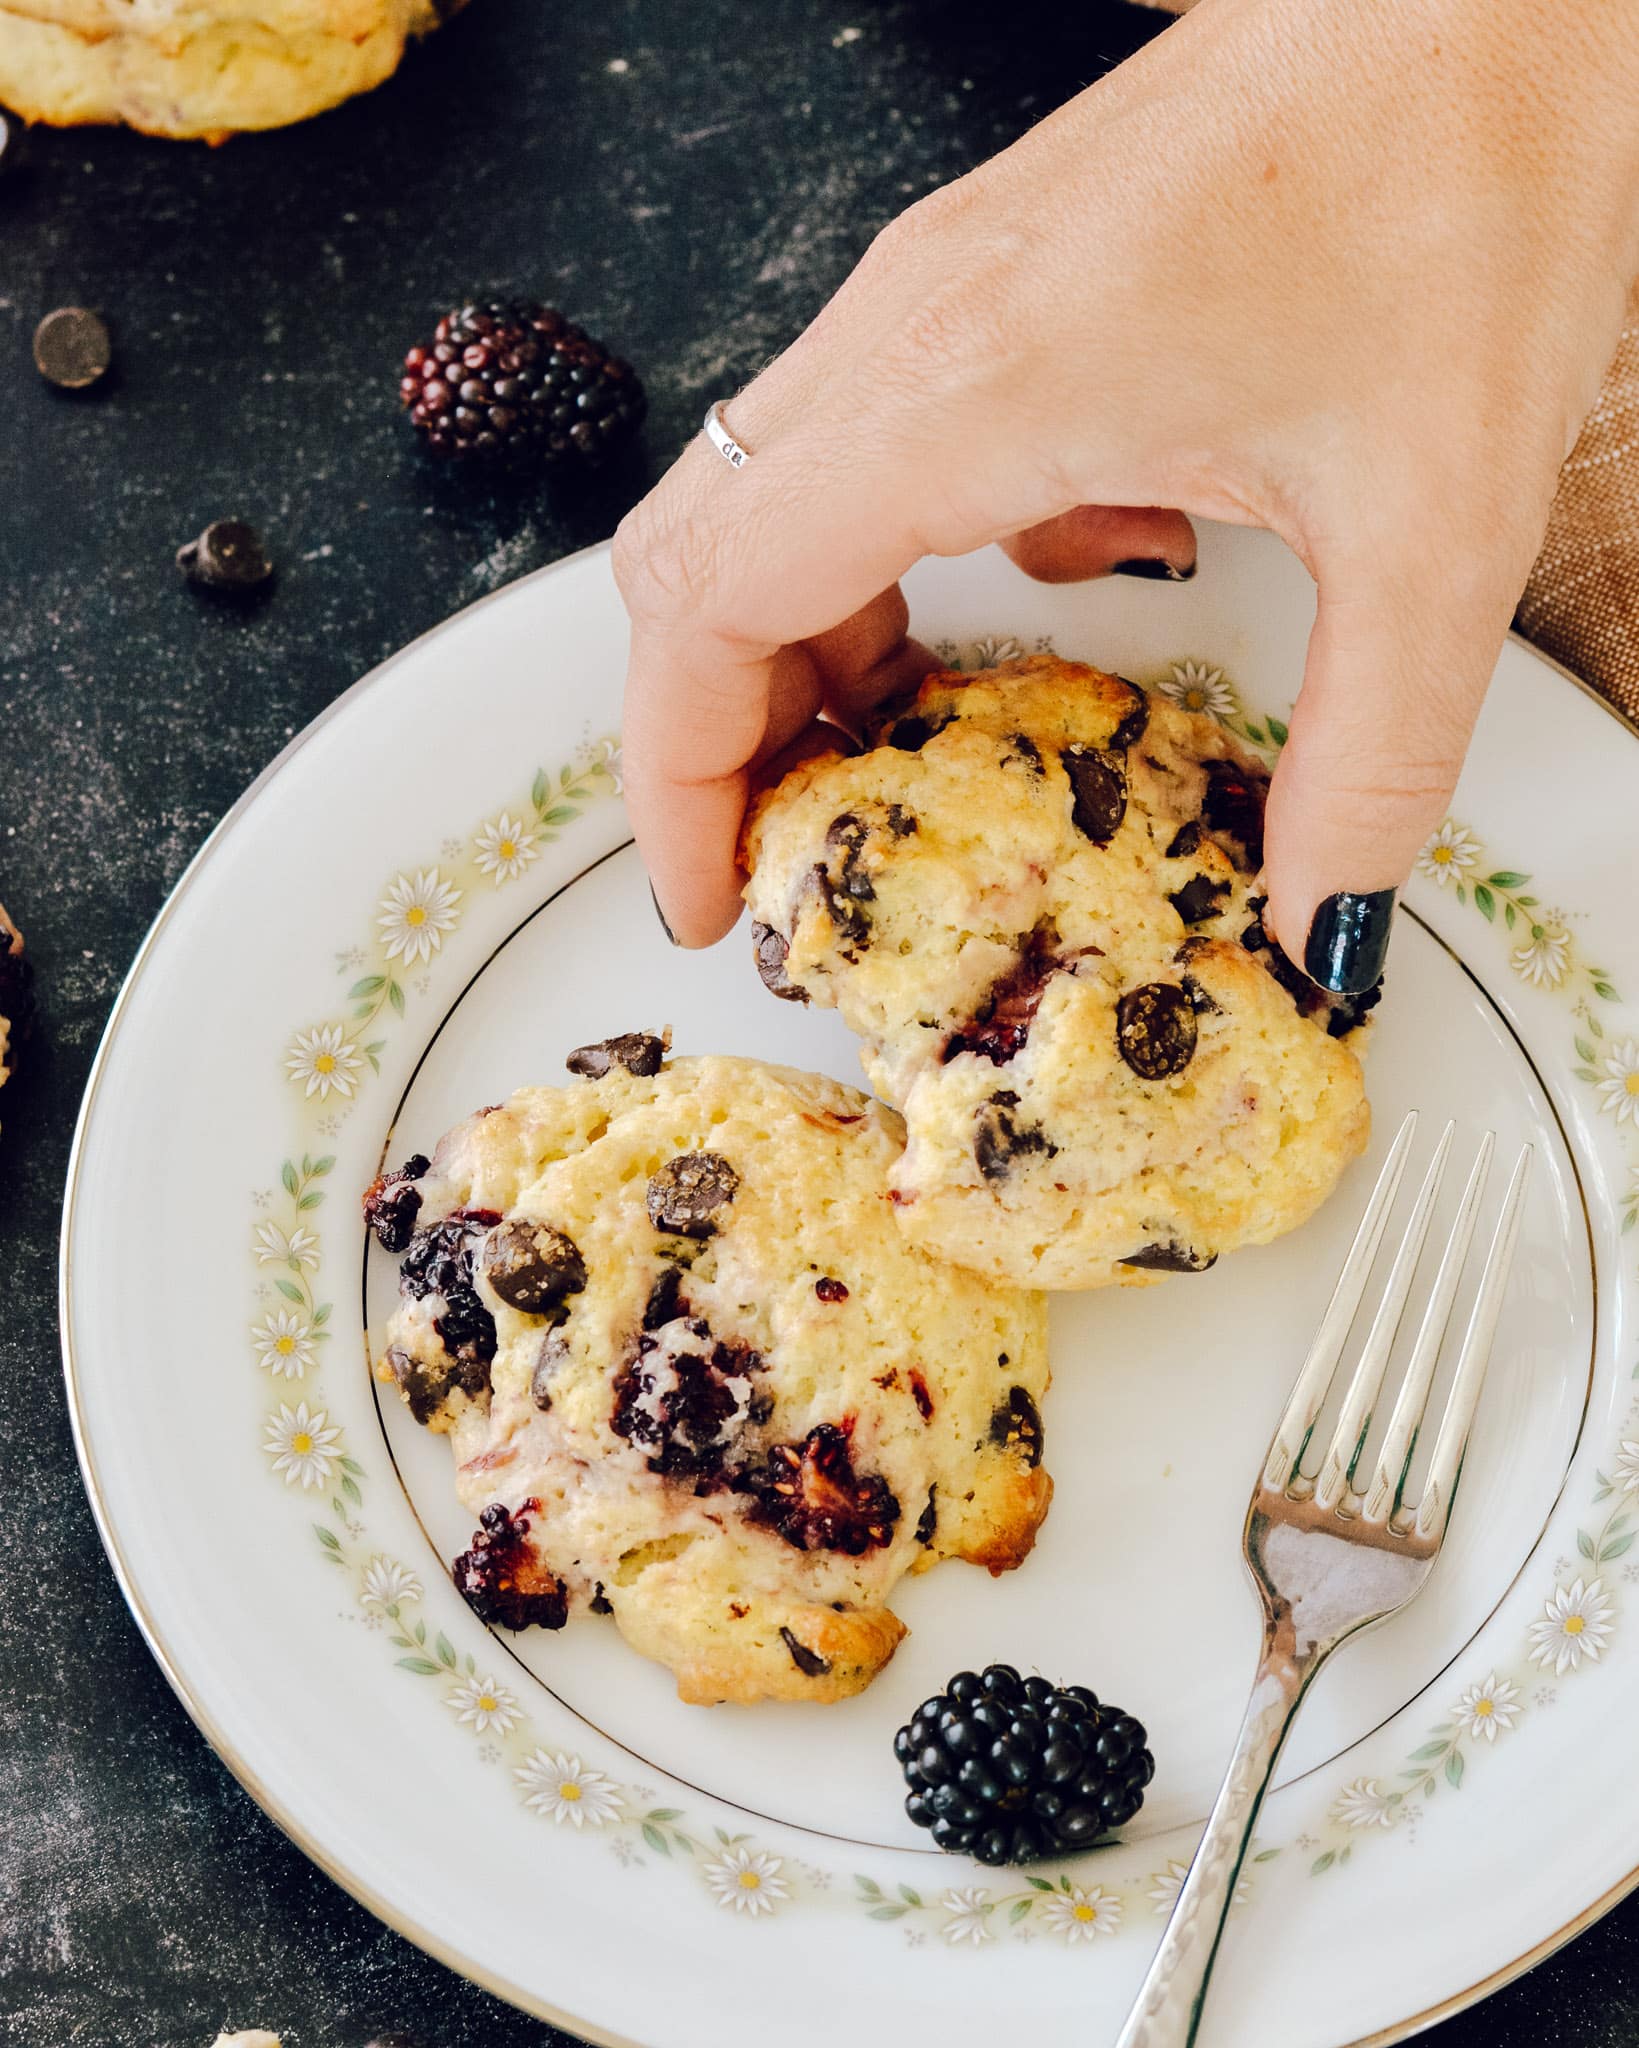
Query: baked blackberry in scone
{"type": "Point", "coordinates": [1035, 900]}
{"type": "Point", "coordinates": [693, 1375]}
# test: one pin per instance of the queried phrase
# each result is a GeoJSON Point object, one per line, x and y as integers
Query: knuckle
{"type": "Point", "coordinates": [663, 567]}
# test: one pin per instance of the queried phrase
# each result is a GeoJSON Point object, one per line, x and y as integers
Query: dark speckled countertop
{"type": "Point", "coordinates": [691, 178]}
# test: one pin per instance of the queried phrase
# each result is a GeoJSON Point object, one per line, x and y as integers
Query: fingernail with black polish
{"type": "Point", "coordinates": [1349, 941]}
{"type": "Point", "coordinates": [666, 928]}
{"type": "Point", "coordinates": [1155, 570]}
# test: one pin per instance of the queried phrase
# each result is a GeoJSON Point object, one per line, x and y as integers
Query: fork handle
{"type": "Point", "coordinates": [1167, 2010]}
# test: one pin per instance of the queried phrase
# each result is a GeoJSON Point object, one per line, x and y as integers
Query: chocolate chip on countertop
{"type": "Point", "coordinates": [1155, 1030]}
{"type": "Point", "coordinates": [227, 556]}
{"type": "Point", "coordinates": [72, 348]}
{"type": "Point", "coordinates": [639, 1052]}
{"type": "Point", "coordinates": [532, 1266]}
{"type": "Point", "coordinates": [685, 1195]}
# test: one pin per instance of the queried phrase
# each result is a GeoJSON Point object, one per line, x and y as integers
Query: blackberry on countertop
{"type": "Point", "coordinates": [514, 385]}
{"type": "Point", "coordinates": [1009, 1769]}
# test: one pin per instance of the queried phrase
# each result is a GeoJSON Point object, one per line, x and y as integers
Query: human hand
{"type": "Point", "coordinates": [1347, 271]}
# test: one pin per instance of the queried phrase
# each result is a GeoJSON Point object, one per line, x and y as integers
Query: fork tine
{"type": "Point", "coordinates": [1383, 1495]}
{"type": "Point", "coordinates": [1349, 1437]}
{"type": "Point", "coordinates": [1434, 1510]}
{"type": "Point", "coordinates": [1291, 1437]}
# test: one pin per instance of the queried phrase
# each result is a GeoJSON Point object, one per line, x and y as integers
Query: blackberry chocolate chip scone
{"type": "Point", "coordinates": [1035, 901]}
{"type": "Point", "coordinates": [200, 67]}
{"type": "Point", "coordinates": [693, 1376]}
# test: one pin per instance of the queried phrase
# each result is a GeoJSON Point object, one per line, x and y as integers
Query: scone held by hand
{"type": "Point", "coordinates": [1034, 901]}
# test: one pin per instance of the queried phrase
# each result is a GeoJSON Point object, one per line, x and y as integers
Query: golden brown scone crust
{"type": "Point", "coordinates": [905, 1390]}
{"type": "Point", "coordinates": [982, 896]}
{"type": "Point", "coordinates": [205, 68]}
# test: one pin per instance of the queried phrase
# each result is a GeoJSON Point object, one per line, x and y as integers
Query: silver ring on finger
{"type": "Point", "coordinates": [717, 433]}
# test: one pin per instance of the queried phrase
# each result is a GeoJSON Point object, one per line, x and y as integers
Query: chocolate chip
{"type": "Point", "coordinates": [228, 556]}
{"type": "Point", "coordinates": [1026, 750]}
{"type": "Point", "coordinates": [1349, 1011]}
{"type": "Point", "coordinates": [1200, 998]}
{"type": "Point", "coordinates": [809, 1662]}
{"type": "Point", "coordinates": [1098, 783]}
{"type": "Point", "coordinates": [1000, 1138]}
{"type": "Point", "coordinates": [600, 1602]}
{"type": "Point", "coordinates": [844, 883]}
{"type": "Point", "coordinates": [911, 734]}
{"type": "Point", "coordinates": [772, 949]}
{"type": "Point", "coordinates": [686, 1193]}
{"type": "Point", "coordinates": [1197, 900]}
{"type": "Point", "coordinates": [1170, 1257]}
{"type": "Point", "coordinates": [901, 822]}
{"type": "Point", "coordinates": [1136, 721]}
{"type": "Point", "coordinates": [1155, 1030]}
{"type": "Point", "coordinates": [532, 1266]}
{"type": "Point", "coordinates": [1234, 806]}
{"type": "Point", "coordinates": [72, 348]}
{"type": "Point", "coordinates": [550, 1360]}
{"type": "Point", "coordinates": [830, 1290]}
{"type": "Point", "coordinates": [639, 1052]}
{"type": "Point", "coordinates": [1016, 1426]}
{"type": "Point", "coordinates": [426, 1388]}
{"type": "Point", "coordinates": [929, 1520]}
{"type": "Point", "coordinates": [1185, 841]}
{"type": "Point", "coordinates": [665, 1303]}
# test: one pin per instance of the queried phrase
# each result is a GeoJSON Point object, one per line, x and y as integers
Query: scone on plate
{"type": "Point", "coordinates": [1034, 899]}
{"type": "Point", "coordinates": [200, 67]}
{"type": "Point", "coordinates": [693, 1376]}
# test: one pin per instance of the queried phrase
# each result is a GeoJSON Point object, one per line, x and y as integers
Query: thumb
{"type": "Point", "coordinates": [1392, 686]}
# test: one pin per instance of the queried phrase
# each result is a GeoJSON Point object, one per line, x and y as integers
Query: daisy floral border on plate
{"type": "Point", "coordinates": [327, 1063]}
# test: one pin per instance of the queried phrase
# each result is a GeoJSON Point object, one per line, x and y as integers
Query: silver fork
{"type": "Point", "coordinates": [1329, 1560]}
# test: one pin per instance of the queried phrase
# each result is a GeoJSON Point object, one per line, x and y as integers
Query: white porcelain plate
{"type": "Point", "coordinates": [423, 904]}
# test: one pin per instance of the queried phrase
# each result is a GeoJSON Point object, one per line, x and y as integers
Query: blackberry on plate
{"type": "Point", "coordinates": [514, 385]}
{"type": "Point", "coordinates": [1009, 1769]}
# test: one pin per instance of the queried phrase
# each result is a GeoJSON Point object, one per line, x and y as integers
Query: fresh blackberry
{"type": "Point", "coordinates": [1010, 1769]}
{"type": "Point", "coordinates": [513, 385]}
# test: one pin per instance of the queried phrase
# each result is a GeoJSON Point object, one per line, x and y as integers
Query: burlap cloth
{"type": "Point", "coordinates": [1582, 603]}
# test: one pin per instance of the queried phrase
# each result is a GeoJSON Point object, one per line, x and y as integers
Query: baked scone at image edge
{"type": "Point", "coordinates": [1034, 900]}
{"type": "Point", "coordinates": [200, 68]}
{"type": "Point", "coordinates": [693, 1376]}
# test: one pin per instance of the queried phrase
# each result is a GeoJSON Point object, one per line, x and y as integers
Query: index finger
{"type": "Point", "coordinates": [726, 574]}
